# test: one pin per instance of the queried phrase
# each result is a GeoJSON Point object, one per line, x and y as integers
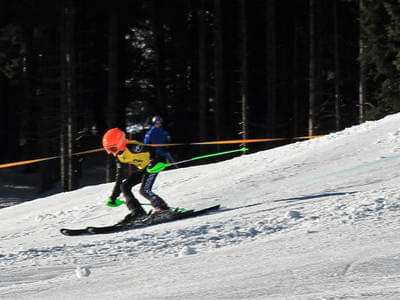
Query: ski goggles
{"type": "Point", "coordinates": [112, 149]}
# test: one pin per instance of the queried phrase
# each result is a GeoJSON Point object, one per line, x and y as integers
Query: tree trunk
{"type": "Point", "coordinates": [218, 69]}
{"type": "Point", "coordinates": [243, 72]}
{"type": "Point", "coordinates": [338, 118]}
{"type": "Point", "coordinates": [161, 101]}
{"type": "Point", "coordinates": [112, 97]}
{"type": "Point", "coordinates": [203, 101]}
{"type": "Point", "coordinates": [312, 69]}
{"type": "Point", "coordinates": [361, 89]}
{"type": "Point", "coordinates": [3, 119]}
{"type": "Point", "coordinates": [67, 96]}
{"type": "Point", "coordinates": [30, 121]}
{"type": "Point", "coordinates": [271, 68]}
{"type": "Point", "coordinates": [295, 81]}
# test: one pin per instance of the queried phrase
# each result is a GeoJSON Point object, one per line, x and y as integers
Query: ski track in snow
{"type": "Point", "coordinates": [256, 221]}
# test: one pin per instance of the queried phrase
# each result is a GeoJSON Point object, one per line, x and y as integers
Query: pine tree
{"type": "Point", "coordinates": [380, 22]}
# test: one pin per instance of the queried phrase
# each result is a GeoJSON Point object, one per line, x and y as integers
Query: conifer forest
{"type": "Point", "coordinates": [214, 70]}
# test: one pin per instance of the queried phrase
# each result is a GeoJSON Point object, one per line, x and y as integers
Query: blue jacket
{"type": "Point", "coordinates": [157, 135]}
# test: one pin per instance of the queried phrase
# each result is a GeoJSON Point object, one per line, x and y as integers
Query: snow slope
{"type": "Point", "coordinates": [318, 219]}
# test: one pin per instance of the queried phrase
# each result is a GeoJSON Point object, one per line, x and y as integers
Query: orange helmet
{"type": "Point", "coordinates": [114, 141]}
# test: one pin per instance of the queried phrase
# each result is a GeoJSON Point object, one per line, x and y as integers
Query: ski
{"type": "Point", "coordinates": [71, 232]}
{"type": "Point", "coordinates": [147, 221]}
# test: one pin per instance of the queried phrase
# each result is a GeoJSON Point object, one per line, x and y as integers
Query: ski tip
{"type": "Point", "coordinates": [65, 231]}
{"type": "Point", "coordinates": [218, 206]}
{"type": "Point", "coordinates": [214, 207]}
{"type": "Point", "coordinates": [73, 232]}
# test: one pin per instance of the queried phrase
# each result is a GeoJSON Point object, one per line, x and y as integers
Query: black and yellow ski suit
{"type": "Point", "coordinates": [139, 162]}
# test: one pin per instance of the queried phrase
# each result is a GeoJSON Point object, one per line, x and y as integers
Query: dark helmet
{"type": "Point", "coordinates": [156, 120]}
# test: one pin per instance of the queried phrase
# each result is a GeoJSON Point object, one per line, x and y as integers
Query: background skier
{"type": "Point", "coordinates": [155, 135]}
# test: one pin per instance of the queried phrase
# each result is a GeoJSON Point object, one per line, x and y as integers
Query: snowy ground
{"type": "Point", "coordinates": [313, 220]}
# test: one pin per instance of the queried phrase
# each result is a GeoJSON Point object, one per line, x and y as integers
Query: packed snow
{"type": "Point", "coordinates": [317, 219]}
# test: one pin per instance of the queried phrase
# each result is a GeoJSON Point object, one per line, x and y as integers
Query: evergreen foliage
{"type": "Point", "coordinates": [380, 24]}
{"type": "Point", "coordinates": [185, 60]}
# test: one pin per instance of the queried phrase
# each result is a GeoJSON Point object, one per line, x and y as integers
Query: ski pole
{"type": "Point", "coordinates": [158, 167]}
{"type": "Point", "coordinates": [117, 202]}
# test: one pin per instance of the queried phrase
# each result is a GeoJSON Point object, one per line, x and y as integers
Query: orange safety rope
{"type": "Point", "coordinates": [25, 162]}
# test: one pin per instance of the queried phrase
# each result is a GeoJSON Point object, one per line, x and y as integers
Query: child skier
{"type": "Point", "coordinates": [114, 142]}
